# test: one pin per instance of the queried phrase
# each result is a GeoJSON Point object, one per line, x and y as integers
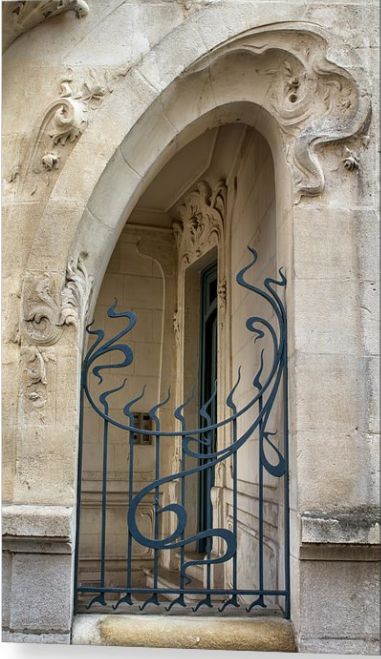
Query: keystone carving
{"type": "Point", "coordinates": [47, 309]}
{"type": "Point", "coordinates": [24, 15]}
{"type": "Point", "coordinates": [314, 100]}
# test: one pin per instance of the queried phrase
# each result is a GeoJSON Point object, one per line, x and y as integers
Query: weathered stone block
{"type": "Point", "coordinates": [45, 581]}
{"type": "Point", "coordinates": [340, 600]}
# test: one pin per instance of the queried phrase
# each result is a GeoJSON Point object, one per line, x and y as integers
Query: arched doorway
{"type": "Point", "coordinates": [174, 267]}
{"type": "Point", "coordinates": [293, 127]}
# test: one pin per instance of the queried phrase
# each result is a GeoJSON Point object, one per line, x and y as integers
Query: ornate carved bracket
{"type": "Point", "coordinates": [314, 100]}
{"type": "Point", "coordinates": [22, 16]}
{"type": "Point", "coordinates": [46, 309]}
{"type": "Point", "coordinates": [198, 227]}
{"type": "Point", "coordinates": [199, 223]}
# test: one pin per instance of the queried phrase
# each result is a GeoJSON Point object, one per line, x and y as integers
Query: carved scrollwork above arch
{"type": "Point", "coordinates": [314, 100]}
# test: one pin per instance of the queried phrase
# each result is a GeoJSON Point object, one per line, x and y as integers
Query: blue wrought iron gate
{"type": "Point", "coordinates": [269, 390]}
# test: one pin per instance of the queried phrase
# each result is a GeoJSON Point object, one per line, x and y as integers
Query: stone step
{"type": "Point", "coordinates": [260, 634]}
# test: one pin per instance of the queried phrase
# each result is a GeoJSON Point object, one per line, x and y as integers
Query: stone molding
{"type": "Point", "coordinates": [314, 100]}
{"type": "Point", "coordinates": [21, 16]}
{"type": "Point", "coordinates": [37, 521]}
{"type": "Point", "coordinates": [357, 527]}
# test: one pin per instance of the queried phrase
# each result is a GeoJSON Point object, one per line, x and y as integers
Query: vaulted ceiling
{"type": "Point", "coordinates": [209, 156]}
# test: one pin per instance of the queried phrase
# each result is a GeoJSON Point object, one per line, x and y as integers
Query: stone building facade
{"type": "Point", "coordinates": [145, 142]}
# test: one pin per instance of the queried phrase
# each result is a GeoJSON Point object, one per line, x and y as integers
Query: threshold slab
{"type": "Point", "coordinates": [260, 634]}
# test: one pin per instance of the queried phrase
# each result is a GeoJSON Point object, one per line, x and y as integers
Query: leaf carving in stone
{"type": "Point", "coordinates": [36, 376]}
{"type": "Point", "coordinates": [75, 296]}
{"type": "Point", "coordinates": [40, 309]}
{"type": "Point", "coordinates": [199, 220]}
{"type": "Point", "coordinates": [46, 310]}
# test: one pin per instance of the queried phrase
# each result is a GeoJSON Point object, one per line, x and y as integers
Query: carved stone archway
{"type": "Point", "coordinates": [292, 87]}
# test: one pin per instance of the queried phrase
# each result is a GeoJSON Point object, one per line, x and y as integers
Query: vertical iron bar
{"type": "Point", "coordinates": [154, 599]}
{"type": "Point", "coordinates": [130, 493]}
{"type": "Point", "coordinates": [286, 477]}
{"type": "Point", "coordinates": [104, 495]}
{"type": "Point", "coordinates": [235, 503]}
{"type": "Point", "coordinates": [260, 599]}
{"type": "Point", "coordinates": [182, 494]}
{"type": "Point", "coordinates": [209, 514]}
{"type": "Point", "coordinates": [156, 508]}
{"type": "Point", "coordinates": [260, 503]}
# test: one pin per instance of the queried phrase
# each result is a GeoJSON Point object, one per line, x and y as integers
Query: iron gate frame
{"type": "Point", "coordinates": [176, 540]}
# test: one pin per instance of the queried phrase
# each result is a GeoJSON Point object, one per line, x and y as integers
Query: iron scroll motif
{"type": "Point", "coordinates": [195, 443]}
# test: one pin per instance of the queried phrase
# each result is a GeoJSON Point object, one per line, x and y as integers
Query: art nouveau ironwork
{"type": "Point", "coordinates": [269, 392]}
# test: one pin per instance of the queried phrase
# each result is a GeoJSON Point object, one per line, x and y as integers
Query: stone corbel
{"type": "Point", "coordinates": [199, 222]}
{"type": "Point", "coordinates": [47, 309]}
{"type": "Point", "coordinates": [314, 100]}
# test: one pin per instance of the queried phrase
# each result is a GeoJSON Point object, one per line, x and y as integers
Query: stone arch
{"type": "Point", "coordinates": [302, 99]}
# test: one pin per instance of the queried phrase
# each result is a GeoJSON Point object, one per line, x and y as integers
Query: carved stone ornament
{"type": "Point", "coordinates": [350, 160]}
{"type": "Point", "coordinates": [47, 309]}
{"type": "Point", "coordinates": [24, 15]}
{"type": "Point", "coordinates": [177, 328]}
{"type": "Point", "coordinates": [50, 161]}
{"type": "Point", "coordinates": [35, 371]}
{"type": "Point", "coordinates": [14, 173]}
{"type": "Point", "coordinates": [66, 117]}
{"type": "Point", "coordinates": [199, 223]}
{"type": "Point", "coordinates": [313, 100]}
{"type": "Point", "coordinates": [193, 4]}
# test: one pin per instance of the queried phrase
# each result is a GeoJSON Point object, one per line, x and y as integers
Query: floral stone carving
{"type": "Point", "coordinates": [36, 378]}
{"type": "Point", "coordinates": [47, 309]}
{"type": "Point", "coordinates": [199, 223]}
